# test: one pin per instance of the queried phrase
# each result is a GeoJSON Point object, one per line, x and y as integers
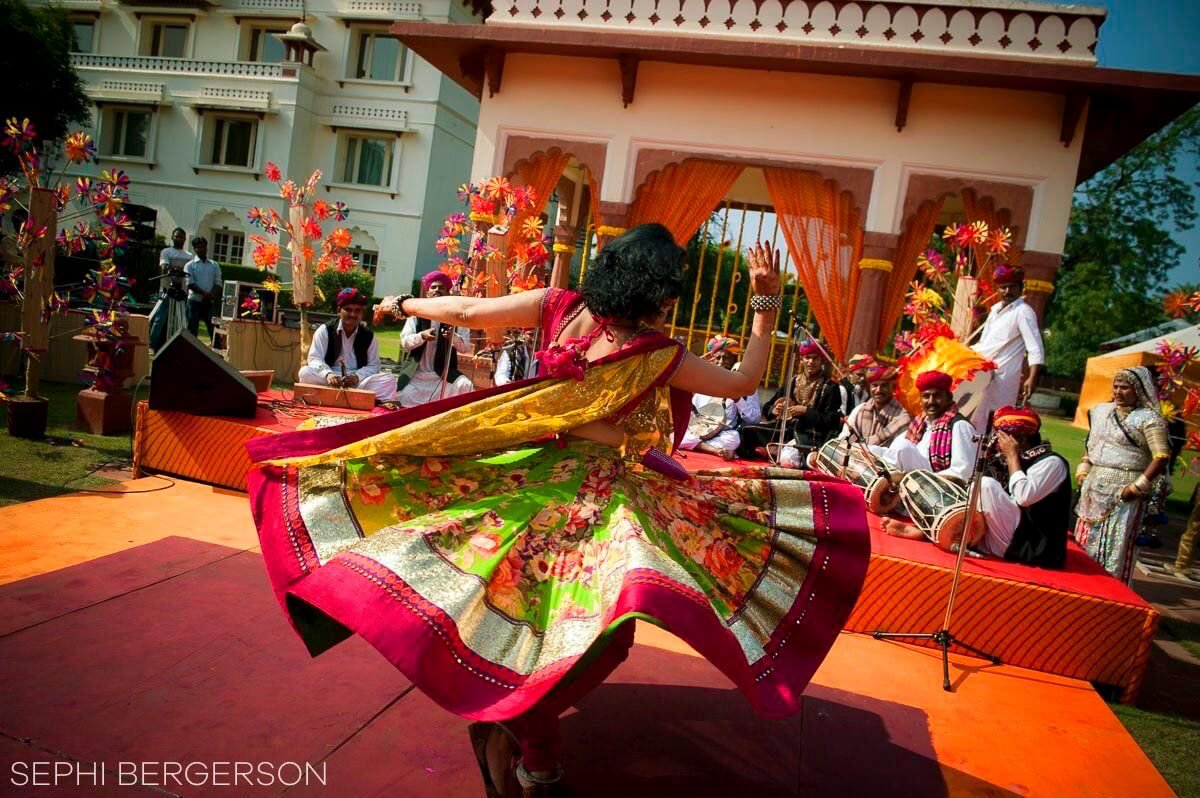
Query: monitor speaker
{"type": "Point", "coordinates": [189, 377]}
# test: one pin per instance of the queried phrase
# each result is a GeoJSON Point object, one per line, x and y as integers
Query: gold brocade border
{"type": "Point", "coordinates": [1039, 286]}
{"type": "Point", "coordinates": [878, 264]}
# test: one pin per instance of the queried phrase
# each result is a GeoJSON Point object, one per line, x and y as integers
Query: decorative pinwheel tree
{"type": "Point", "coordinates": [28, 279]}
{"type": "Point", "coordinates": [303, 227]}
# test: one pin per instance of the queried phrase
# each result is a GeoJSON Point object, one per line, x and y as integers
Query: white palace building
{"type": "Point", "coordinates": [194, 97]}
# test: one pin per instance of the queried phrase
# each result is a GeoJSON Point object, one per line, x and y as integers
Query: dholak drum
{"type": "Point", "coordinates": [938, 507]}
{"type": "Point", "coordinates": [861, 470]}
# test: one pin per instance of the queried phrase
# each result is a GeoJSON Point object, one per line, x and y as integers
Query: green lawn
{"type": "Point", "coordinates": [1170, 742]}
{"type": "Point", "coordinates": [38, 469]}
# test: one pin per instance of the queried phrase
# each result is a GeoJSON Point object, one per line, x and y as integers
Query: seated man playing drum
{"type": "Point", "coordinates": [880, 420]}
{"type": "Point", "coordinates": [715, 423]}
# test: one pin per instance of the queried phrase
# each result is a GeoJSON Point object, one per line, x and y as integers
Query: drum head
{"type": "Point", "coordinates": [882, 497]}
{"type": "Point", "coordinates": [950, 529]}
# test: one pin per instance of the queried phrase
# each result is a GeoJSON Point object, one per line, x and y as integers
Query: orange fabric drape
{"type": "Point", "coordinates": [823, 229]}
{"type": "Point", "coordinates": [983, 209]}
{"type": "Point", "coordinates": [541, 173]}
{"type": "Point", "coordinates": [913, 241]}
{"type": "Point", "coordinates": [682, 196]}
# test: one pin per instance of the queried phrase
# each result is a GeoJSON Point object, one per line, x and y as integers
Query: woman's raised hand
{"type": "Point", "coordinates": [764, 269]}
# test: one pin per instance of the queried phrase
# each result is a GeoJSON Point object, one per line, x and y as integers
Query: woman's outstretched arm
{"type": "Point", "coordinates": [697, 375]}
{"type": "Point", "coordinates": [476, 313]}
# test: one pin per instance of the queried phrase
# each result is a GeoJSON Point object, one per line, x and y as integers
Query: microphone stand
{"type": "Point", "coordinates": [944, 637]}
{"type": "Point", "coordinates": [787, 397]}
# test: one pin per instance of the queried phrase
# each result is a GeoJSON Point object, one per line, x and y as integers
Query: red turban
{"type": "Point", "coordinates": [1017, 420]}
{"type": "Point", "coordinates": [436, 277]}
{"type": "Point", "coordinates": [881, 374]}
{"type": "Point", "coordinates": [1007, 275]}
{"type": "Point", "coordinates": [350, 296]}
{"type": "Point", "coordinates": [810, 348]}
{"type": "Point", "coordinates": [936, 380]}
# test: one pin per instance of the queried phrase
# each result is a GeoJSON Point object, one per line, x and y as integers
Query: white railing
{"type": "Point", "coordinates": [379, 8]}
{"type": "Point", "coordinates": [278, 6]}
{"type": "Point", "coordinates": [177, 66]}
{"type": "Point", "coordinates": [990, 27]}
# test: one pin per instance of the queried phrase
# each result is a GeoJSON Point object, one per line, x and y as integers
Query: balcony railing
{"type": "Point", "coordinates": [986, 27]}
{"type": "Point", "coordinates": [183, 66]}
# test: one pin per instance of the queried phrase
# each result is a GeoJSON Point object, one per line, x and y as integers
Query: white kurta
{"type": "Point", "coordinates": [504, 367]}
{"type": "Point", "coordinates": [370, 374]}
{"type": "Point", "coordinates": [1009, 335]}
{"type": "Point", "coordinates": [904, 455]}
{"type": "Point", "coordinates": [746, 410]}
{"type": "Point", "coordinates": [426, 384]}
{"type": "Point", "coordinates": [1002, 508]}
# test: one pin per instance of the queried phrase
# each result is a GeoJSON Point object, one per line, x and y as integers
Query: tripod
{"type": "Point", "coordinates": [170, 314]}
{"type": "Point", "coordinates": [944, 638]}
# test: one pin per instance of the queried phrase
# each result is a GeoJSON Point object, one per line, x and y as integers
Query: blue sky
{"type": "Point", "coordinates": [1158, 36]}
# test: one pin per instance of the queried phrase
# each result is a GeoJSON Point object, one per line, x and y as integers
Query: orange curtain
{"type": "Point", "coordinates": [913, 241]}
{"type": "Point", "coordinates": [824, 234]}
{"type": "Point", "coordinates": [682, 196]}
{"type": "Point", "coordinates": [541, 173]}
{"type": "Point", "coordinates": [984, 209]}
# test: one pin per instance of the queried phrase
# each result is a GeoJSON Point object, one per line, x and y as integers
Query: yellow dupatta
{"type": "Point", "coordinates": [528, 413]}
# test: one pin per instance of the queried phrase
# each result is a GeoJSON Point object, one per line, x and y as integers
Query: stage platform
{"type": "Point", "coordinates": [1078, 622]}
{"type": "Point", "coordinates": [139, 627]}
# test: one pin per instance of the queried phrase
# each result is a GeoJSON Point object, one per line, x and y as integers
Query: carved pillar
{"type": "Point", "coordinates": [874, 268]}
{"type": "Point", "coordinates": [564, 248]}
{"type": "Point", "coordinates": [1040, 271]}
{"type": "Point", "coordinates": [615, 216]}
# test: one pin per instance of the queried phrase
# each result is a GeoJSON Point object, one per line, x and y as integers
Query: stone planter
{"type": "Point", "coordinates": [27, 416]}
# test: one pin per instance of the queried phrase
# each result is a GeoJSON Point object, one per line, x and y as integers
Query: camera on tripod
{"type": "Point", "coordinates": [177, 288]}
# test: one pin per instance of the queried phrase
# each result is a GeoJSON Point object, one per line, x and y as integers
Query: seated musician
{"type": "Point", "coordinates": [715, 423]}
{"type": "Point", "coordinates": [881, 419]}
{"type": "Point", "coordinates": [426, 383]}
{"type": "Point", "coordinates": [345, 354]}
{"type": "Point", "coordinates": [810, 409]}
{"type": "Point", "coordinates": [940, 440]}
{"type": "Point", "coordinates": [515, 361]}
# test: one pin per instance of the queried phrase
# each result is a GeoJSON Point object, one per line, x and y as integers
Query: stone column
{"type": "Point", "coordinates": [1040, 271]}
{"type": "Point", "coordinates": [874, 268]}
{"type": "Point", "coordinates": [564, 248]}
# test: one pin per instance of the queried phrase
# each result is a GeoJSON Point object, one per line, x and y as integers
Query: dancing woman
{"type": "Point", "coordinates": [495, 547]}
{"type": "Point", "coordinates": [1126, 451]}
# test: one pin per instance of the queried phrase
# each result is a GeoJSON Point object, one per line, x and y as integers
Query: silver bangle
{"type": "Point", "coordinates": [761, 304]}
{"type": "Point", "coordinates": [1142, 484]}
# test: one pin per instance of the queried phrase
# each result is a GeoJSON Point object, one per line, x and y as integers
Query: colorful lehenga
{"type": "Point", "coordinates": [485, 554]}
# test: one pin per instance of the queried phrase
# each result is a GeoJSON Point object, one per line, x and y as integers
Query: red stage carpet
{"type": "Point", "coordinates": [1078, 622]}
{"type": "Point", "coordinates": [141, 630]}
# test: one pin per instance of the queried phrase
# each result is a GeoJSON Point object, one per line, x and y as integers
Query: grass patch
{"type": "Point", "coordinates": [1185, 633]}
{"type": "Point", "coordinates": [62, 463]}
{"type": "Point", "coordinates": [1068, 441]}
{"type": "Point", "coordinates": [1170, 742]}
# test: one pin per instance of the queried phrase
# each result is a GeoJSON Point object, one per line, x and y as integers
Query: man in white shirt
{"type": "Point", "coordinates": [715, 423]}
{"type": "Point", "coordinates": [171, 259]}
{"type": "Point", "coordinates": [1009, 335]}
{"type": "Point", "coordinates": [345, 354]}
{"type": "Point", "coordinates": [432, 361]}
{"type": "Point", "coordinates": [516, 359]}
{"type": "Point", "coordinates": [941, 440]}
{"type": "Point", "coordinates": [203, 277]}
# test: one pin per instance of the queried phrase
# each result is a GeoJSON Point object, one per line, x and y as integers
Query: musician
{"type": "Point", "coordinates": [940, 440]}
{"type": "Point", "coordinates": [881, 419]}
{"type": "Point", "coordinates": [345, 354]}
{"type": "Point", "coordinates": [516, 359]}
{"type": "Point", "coordinates": [1028, 520]}
{"type": "Point", "coordinates": [1009, 336]}
{"type": "Point", "coordinates": [715, 423]}
{"type": "Point", "coordinates": [810, 408]}
{"type": "Point", "coordinates": [426, 384]}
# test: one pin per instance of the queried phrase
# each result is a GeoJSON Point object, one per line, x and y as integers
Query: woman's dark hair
{"type": "Point", "coordinates": [635, 274]}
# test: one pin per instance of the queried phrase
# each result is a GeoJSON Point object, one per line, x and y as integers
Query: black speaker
{"type": "Point", "coordinates": [189, 377]}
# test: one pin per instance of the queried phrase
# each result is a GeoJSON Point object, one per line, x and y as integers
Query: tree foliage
{"type": "Point", "coordinates": [1120, 248]}
{"type": "Point", "coordinates": [39, 81]}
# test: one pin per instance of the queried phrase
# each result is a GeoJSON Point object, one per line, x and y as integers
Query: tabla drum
{"type": "Point", "coordinates": [708, 421]}
{"type": "Point", "coordinates": [858, 468]}
{"type": "Point", "coordinates": [938, 507]}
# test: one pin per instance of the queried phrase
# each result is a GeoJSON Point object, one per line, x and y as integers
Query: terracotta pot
{"type": "Point", "coordinates": [27, 417]}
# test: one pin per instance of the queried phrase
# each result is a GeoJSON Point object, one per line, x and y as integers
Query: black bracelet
{"type": "Point", "coordinates": [400, 300]}
{"type": "Point", "coordinates": [763, 303]}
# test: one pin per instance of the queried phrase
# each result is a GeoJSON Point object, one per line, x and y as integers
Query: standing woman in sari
{"type": "Point", "coordinates": [496, 546]}
{"type": "Point", "coordinates": [1126, 451]}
